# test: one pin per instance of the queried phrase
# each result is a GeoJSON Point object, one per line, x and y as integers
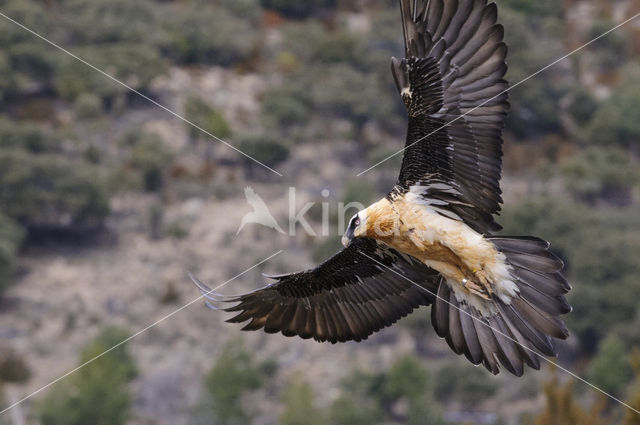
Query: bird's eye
{"type": "Point", "coordinates": [357, 222]}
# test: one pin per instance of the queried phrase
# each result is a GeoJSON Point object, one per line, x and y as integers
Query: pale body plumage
{"type": "Point", "coordinates": [470, 263]}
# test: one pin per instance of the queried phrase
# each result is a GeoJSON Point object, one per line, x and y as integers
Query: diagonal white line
{"type": "Point", "coordinates": [542, 356]}
{"type": "Point", "coordinates": [138, 93]}
{"type": "Point", "coordinates": [502, 92]}
{"type": "Point", "coordinates": [134, 335]}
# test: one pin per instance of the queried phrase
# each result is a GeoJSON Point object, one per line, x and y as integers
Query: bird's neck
{"type": "Point", "coordinates": [382, 220]}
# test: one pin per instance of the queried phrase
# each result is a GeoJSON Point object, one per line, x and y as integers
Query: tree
{"type": "Point", "coordinates": [297, 9]}
{"type": "Point", "coordinates": [299, 407]}
{"type": "Point", "coordinates": [150, 157]}
{"type": "Point", "coordinates": [11, 235]}
{"type": "Point", "coordinates": [403, 393]}
{"type": "Point", "coordinates": [201, 114]}
{"type": "Point", "coordinates": [97, 393]}
{"type": "Point", "coordinates": [234, 374]}
{"type": "Point", "coordinates": [601, 173]}
{"type": "Point", "coordinates": [610, 369]}
{"type": "Point", "coordinates": [50, 191]}
{"type": "Point", "coordinates": [631, 417]}
{"type": "Point", "coordinates": [465, 383]}
{"type": "Point", "coordinates": [266, 149]}
{"type": "Point", "coordinates": [615, 121]}
{"type": "Point", "coordinates": [561, 408]}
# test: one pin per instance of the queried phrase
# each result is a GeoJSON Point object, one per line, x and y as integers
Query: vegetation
{"type": "Point", "coordinates": [201, 114]}
{"type": "Point", "coordinates": [11, 235]}
{"type": "Point", "coordinates": [71, 143]}
{"type": "Point", "coordinates": [235, 373]}
{"type": "Point", "coordinates": [402, 393]}
{"type": "Point", "coordinates": [97, 393]}
{"type": "Point", "coordinates": [610, 369]}
{"type": "Point", "coordinates": [299, 407]}
{"type": "Point", "coordinates": [49, 191]}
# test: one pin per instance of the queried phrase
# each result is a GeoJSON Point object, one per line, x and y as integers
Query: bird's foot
{"type": "Point", "coordinates": [482, 277]}
{"type": "Point", "coordinates": [475, 288]}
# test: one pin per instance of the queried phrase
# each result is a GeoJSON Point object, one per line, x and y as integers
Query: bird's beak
{"type": "Point", "coordinates": [347, 238]}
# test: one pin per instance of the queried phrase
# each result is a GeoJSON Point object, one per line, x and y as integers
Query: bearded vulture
{"type": "Point", "coordinates": [431, 240]}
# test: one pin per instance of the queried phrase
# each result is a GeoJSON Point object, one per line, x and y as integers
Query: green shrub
{"type": "Point", "coordinates": [150, 157]}
{"type": "Point", "coordinates": [97, 393]}
{"type": "Point", "coordinates": [610, 369]}
{"type": "Point", "coordinates": [601, 173]}
{"type": "Point", "coordinates": [268, 150]}
{"type": "Point", "coordinates": [349, 410]}
{"type": "Point", "coordinates": [11, 235]}
{"type": "Point", "coordinates": [299, 406]}
{"type": "Point", "coordinates": [88, 106]}
{"type": "Point", "coordinates": [285, 107]}
{"type": "Point", "coordinates": [27, 136]}
{"type": "Point", "coordinates": [464, 383]}
{"type": "Point", "coordinates": [132, 63]}
{"type": "Point", "coordinates": [234, 374]}
{"type": "Point", "coordinates": [407, 383]}
{"type": "Point", "coordinates": [201, 33]}
{"type": "Point", "coordinates": [99, 22]}
{"type": "Point", "coordinates": [615, 122]}
{"type": "Point", "coordinates": [201, 114]}
{"type": "Point", "coordinates": [49, 191]}
{"type": "Point", "coordinates": [297, 9]}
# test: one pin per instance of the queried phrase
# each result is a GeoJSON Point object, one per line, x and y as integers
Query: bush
{"type": "Point", "coordinates": [234, 374]}
{"type": "Point", "coordinates": [534, 42]}
{"type": "Point", "coordinates": [97, 393]}
{"type": "Point", "coordinates": [150, 157]}
{"type": "Point", "coordinates": [201, 114]}
{"type": "Point", "coordinates": [134, 64]}
{"type": "Point", "coordinates": [464, 383]}
{"type": "Point", "coordinates": [285, 107]}
{"type": "Point", "coordinates": [268, 150]}
{"type": "Point", "coordinates": [348, 410]}
{"type": "Point", "coordinates": [49, 191]}
{"type": "Point", "coordinates": [297, 9]}
{"type": "Point", "coordinates": [27, 136]}
{"type": "Point", "coordinates": [10, 238]}
{"type": "Point", "coordinates": [99, 22]}
{"type": "Point", "coordinates": [299, 407]}
{"type": "Point", "coordinates": [406, 384]}
{"type": "Point", "coordinates": [88, 106]}
{"type": "Point", "coordinates": [601, 173]}
{"type": "Point", "coordinates": [615, 122]}
{"type": "Point", "coordinates": [202, 33]}
{"type": "Point", "coordinates": [610, 369]}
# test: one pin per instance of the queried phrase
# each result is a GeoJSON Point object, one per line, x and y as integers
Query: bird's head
{"type": "Point", "coordinates": [356, 228]}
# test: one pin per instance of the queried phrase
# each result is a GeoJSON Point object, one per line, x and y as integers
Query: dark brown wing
{"type": "Point", "coordinates": [451, 82]}
{"type": "Point", "coordinates": [348, 297]}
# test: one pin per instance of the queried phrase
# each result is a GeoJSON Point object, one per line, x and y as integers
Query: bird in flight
{"type": "Point", "coordinates": [431, 240]}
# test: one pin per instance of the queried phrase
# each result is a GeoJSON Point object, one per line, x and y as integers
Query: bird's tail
{"type": "Point", "coordinates": [517, 330]}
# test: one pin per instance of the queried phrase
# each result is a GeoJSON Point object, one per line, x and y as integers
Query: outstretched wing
{"type": "Point", "coordinates": [348, 297]}
{"type": "Point", "coordinates": [451, 82]}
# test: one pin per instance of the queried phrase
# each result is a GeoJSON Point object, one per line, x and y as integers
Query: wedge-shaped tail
{"type": "Point", "coordinates": [514, 333]}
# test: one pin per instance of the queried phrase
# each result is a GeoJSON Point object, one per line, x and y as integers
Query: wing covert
{"type": "Point", "coordinates": [452, 84]}
{"type": "Point", "coordinates": [348, 297]}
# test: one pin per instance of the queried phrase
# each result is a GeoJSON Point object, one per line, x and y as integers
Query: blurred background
{"type": "Point", "coordinates": [106, 201]}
